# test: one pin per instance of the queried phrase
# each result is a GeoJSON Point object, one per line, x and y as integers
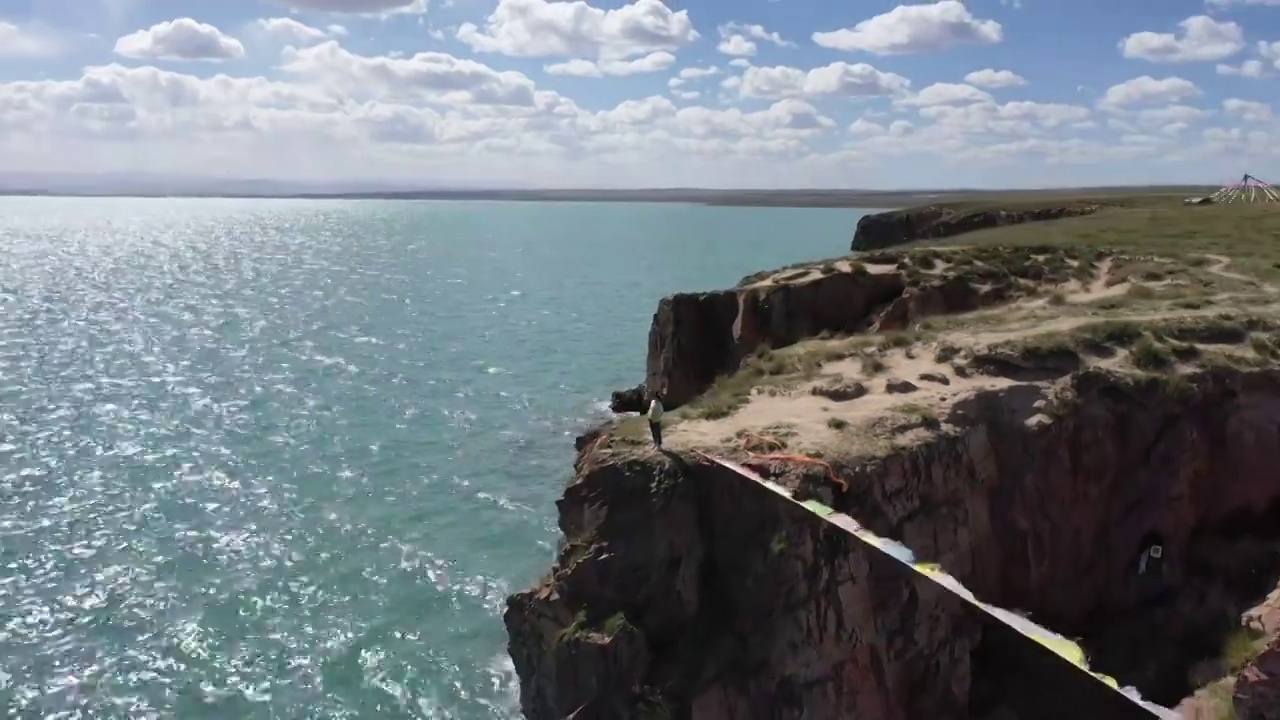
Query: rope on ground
{"type": "Point", "coordinates": [752, 441]}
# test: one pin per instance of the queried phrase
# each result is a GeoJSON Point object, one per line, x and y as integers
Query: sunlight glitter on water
{"type": "Point", "coordinates": [286, 458]}
{"type": "Point", "coordinates": [184, 407]}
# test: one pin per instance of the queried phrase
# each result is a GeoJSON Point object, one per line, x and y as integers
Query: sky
{"type": "Point", "coordinates": [606, 93]}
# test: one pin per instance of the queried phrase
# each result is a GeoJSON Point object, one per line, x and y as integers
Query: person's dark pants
{"type": "Point", "coordinates": [655, 429]}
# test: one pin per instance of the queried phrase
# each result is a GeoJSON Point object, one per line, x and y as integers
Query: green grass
{"type": "Point", "coordinates": [580, 626]}
{"type": "Point", "coordinates": [769, 369]}
{"type": "Point", "coordinates": [1147, 354]}
{"type": "Point", "coordinates": [1151, 225]}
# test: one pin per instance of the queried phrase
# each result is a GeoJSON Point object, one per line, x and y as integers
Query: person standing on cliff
{"type": "Point", "coordinates": [655, 419]}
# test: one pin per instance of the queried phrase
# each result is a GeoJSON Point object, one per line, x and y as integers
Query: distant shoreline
{"type": "Point", "coordinates": [853, 199]}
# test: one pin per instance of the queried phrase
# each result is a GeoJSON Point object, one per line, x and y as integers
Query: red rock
{"type": "Point", "coordinates": [1257, 691]}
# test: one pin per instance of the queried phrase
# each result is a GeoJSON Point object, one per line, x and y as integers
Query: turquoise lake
{"type": "Point", "coordinates": [285, 459]}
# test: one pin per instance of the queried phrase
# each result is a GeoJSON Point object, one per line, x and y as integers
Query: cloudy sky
{"type": "Point", "coordinates": [760, 93]}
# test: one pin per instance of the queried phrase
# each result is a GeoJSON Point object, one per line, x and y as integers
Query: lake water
{"type": "Point", "coordinates": [285, 459]}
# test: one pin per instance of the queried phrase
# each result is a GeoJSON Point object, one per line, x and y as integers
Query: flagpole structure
{"type": "Point", "coordinates": [1249, 189]}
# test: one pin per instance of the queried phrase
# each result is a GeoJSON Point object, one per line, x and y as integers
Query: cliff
{"type": "Point", "coordinates": [934, 222]}
{"type": "Point", "coordinates": [987, 411]}
{"type": "Point", "coordinates": [696, 338]}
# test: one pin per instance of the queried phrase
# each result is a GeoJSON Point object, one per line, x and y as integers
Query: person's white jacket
{"type": "Point", "coordinates": [655, 410]}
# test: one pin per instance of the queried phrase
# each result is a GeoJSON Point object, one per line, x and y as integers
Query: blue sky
{"type": "Point", "coordinates": [537, 92]}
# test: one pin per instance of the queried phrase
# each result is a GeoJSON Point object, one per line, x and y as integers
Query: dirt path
{"type": "Point", "coordinates": [1219, 267]}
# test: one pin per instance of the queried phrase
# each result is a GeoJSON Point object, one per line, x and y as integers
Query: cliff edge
{"type": "Point", "coordinates": [1070, 448]}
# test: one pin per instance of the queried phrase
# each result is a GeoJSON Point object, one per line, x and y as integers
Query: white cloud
{"type": "Point", "coordinates": [756, 32]}
{"type": "Point", "coordinates": [947, 94]}
{"type": "Point", "coordinates": [836, 79]}
{"type": "Point", "coordinates": [693, 73]}
{"type": "Point", "coordinates": [653, 62]}
{"type": "Point", "coordinates": [736, 45]}
{"type": "Point", "coordinates": [862, 126]}
{"type": "Point", "coordinates": [913, 29]}
{"type": "Point", "coordinates": [1011, 118]}
{"type": "Point", "coordinates": [288, 31]}
{"type": "Point", "coordinates": [435, 118]}
{"type": "Point", "coordinates": [1247, 110]}
{"type": "Point", "coordinates": [27, 42]}
{"type": "Point", "coordinates": [1249, 68]}
{"type": "Point", "coordinates": [1270, 51]}
{"type": "Point", "coordinates": [356, 7]}
{"type": "Point", "coordinates": [1147, 90]}
{"type": "Point", "coordinates": [180, 39]}
{"type": "Point", "coordinates": [1228, 3]}
{"type": "Point", "coordinates": [1159, 117]}
{"type": "Point", "coordinates": [538, 28]}
{"type": "Point", "coordinates": [989, 78]}
{"type": "Point", "coordinates": [430, 75]}
{"type": "Point", "coordinates": [1202, 39]}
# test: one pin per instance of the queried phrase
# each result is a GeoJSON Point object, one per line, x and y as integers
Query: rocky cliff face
{"type": "Point", "coordinates": [680, 594]}
{"type": "Point", "coordinates": [1054, 521]}
{"type": "Point", "coordinates": [697, 337]}
{"type": "Point", "coordinates": [898, 227]}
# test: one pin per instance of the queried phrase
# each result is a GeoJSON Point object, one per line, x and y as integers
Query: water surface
{"type": "Point", "coordinates": [285, 459]}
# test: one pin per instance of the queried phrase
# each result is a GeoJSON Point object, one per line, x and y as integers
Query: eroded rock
{"type": "Point", "coordinates": [695, 338]}
{"type": "Point", "coordinates": [898, 385]}
{"type": "Point", "coordinates": [841, 392]}
{"type": "Point", "coordinates": [740, 610]}
{"type": "Point", "coordinates": [1257, 689]}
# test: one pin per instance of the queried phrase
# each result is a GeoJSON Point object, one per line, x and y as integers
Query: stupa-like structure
{"type": "Point", "coordinates": [1249, 189]}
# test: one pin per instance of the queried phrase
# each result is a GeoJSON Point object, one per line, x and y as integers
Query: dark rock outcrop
{"type": "Point", "coordinates": [679, 589]}
{"type": "Point", "coordinates": [897, 227]}
{"type": "Point", "coordinates": [631, 400]}
{"type": "Point", "coordinates": [1257, 690]}
{"type": "Point", "coordinates": [685, 592]}
{"type": "Point", "coordinates": [697, 337]}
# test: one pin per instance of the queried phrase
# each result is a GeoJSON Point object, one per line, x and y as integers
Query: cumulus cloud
{"type": "Point", "coordinates": [1247, 110]}
{"type": "Point", "coordinates": [1202, 39]}
{"type": "Point", "coordinates": [288, 31]}
{"type": "Point", "coordinates": [180, 39]}
{"type": "Point", "coordinates": [947, 94]}
{"type": "Point", "coordinates": [653, 62]}
{"type": "Point", "coordinates": [756, 32]}
{"type": "Point", "coordinates": [538, 28]}
{"type": "Point", "coordinates": [430, 75]}
{"type": "Point", "coordinates": [989, 78]}
{"type": "Point", "coordinates": [1147, 90]}
{"type": "Point", "coordinates": [27, 42]}
{"type": "Point", "coordinates": [736, 45]}
{"type": "Point", "coordinates": [356, 7]}
{"type": "Point", "coordinates": [693, 73]}
{"type": "Point", "coordinates": [1249, 68]}
{"type": "Point", "coordinates": [836, 79]}
{"type": "Point", "coordinates": [328, 111]}
{"type": "Point", "coordinates": [863, 126]}
{"type": "Point", "coordinates": [914, 29]}
{"type": "Point", "coordinates": [1271, 52]}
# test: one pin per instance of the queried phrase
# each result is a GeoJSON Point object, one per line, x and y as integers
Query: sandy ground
{"type": "Point", "coordinates": [886, 417]}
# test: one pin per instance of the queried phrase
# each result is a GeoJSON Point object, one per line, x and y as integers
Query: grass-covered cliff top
{"type": "Point", "coordinates": [1145, 285]}
{"type": "Point", "coordinates": [1144, 223]}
